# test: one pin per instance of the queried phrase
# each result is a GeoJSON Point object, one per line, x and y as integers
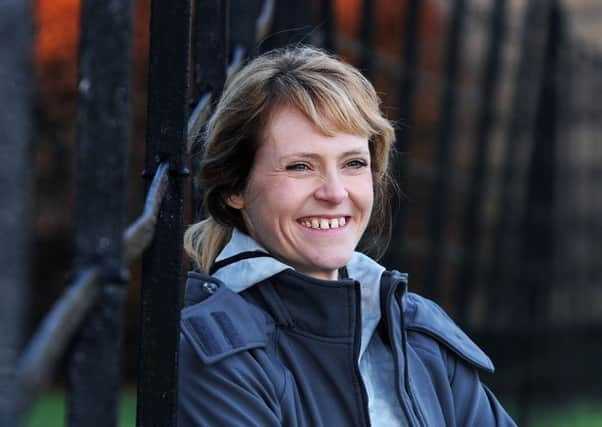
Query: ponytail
{"type": "Point", "coordinates": [204, 241]}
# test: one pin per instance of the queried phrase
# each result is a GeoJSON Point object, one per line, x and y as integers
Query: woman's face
{"type": "Point", "coordinates": [309, 196]}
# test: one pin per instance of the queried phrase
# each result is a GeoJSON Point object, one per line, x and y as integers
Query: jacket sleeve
{"type": "Point", "coordinates": [235, 391]}
{"type": "Point", "coordinates": [475, 405]}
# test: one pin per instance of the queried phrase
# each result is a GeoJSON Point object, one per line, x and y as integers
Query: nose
{"type": "Point", "coordinates": [332, 188]}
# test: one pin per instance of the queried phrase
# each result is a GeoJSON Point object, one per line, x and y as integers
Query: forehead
{"type": "Point", "coordinates": [288, 130]}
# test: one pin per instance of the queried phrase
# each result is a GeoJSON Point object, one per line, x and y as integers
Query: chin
{"type": "Point", "coordinates": [334, 264]}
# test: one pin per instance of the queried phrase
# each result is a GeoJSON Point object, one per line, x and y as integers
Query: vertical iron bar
{"type": "Point", "coordinates": [446, 135]}
{"type": "Point", "coordinates": [367, 38]}
{"type": "Point", "coordinates": [162, 264]}
{"type": "Point", "coordinates": [15, 203]}
{"type": "Point", "coordinates": [504, 263]}
{"type": "Point", "coordinates": [472, 221]}
{"type": "Point", "coordinates": [407, 98]}
{"type": "Point", "coordinates": [291, 24]}
{"type": "Point", "coordinates": [506, 297]}
{"type": "Point", "coordinates": [211, 61]}
{"type": "Point", "coordinates": [104, 132]}
{"type": "Point", "coordinates": [243, 17]}
{"type": "Point", "coordinates": [328, 25]}
{"type": "Point", "coordinates": [211, 45]}
{"type": "Point", "coordinates": [537, 228]}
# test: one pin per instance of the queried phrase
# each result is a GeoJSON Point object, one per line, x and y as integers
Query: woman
{"type": "Point", "coordinates": [290, 325]}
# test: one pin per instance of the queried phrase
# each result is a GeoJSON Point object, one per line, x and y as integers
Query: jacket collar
{"type": "Point", "coordinates": [242, 273]}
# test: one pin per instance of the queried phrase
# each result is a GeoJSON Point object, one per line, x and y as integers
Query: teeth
{"type": "Point", "coordinates": [324, 223]}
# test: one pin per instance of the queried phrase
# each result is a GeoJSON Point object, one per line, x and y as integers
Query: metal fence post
{"type": "Point", "coordinates": [211, 60]}
{"type": "Point", "coordinates": [104, 132]}
{"type": "Point", "coordinates": [243, 15]}
{"type": "Point", "coordinates": [291, 24]}
{"type": "Point", "coordinates": [328, 24]}
{"type": "Point", "coordinates": [15, 203]}
{"type": "Point", "coordinates": [162, 264]}
{"type": "Point", "coordinates": [503, 271]}
{"type": "Point", "coordinates": [367, 38]}
{"type": "Point", "coordinates": [407, 94]}
{"type": "Point", "coordinates": [446, 136]}
{"type": "Point", "coordinates": [465, 281]}
{"type": "Point", "coordinates": [537, 225]}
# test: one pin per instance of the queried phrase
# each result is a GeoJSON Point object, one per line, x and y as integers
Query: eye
{"type": "Point", "coordinates": [356, 164]}
{"type": "Point", "coordinates": [298, 167]}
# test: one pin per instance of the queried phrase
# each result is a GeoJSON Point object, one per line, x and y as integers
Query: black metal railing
{"type": "Point", "coordinates": [486, 237]}
{"type": "Point", "coordinates": [85, 324]}
{"type": "Point", "coordinates": [15, 198]}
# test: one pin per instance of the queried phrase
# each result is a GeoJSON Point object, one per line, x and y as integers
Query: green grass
{"type": "Point", "coordinates": [49, 410]}
{"type": "Point", "coordinates": [576, 414]}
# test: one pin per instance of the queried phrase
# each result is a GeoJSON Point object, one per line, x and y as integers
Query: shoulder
{"type": "Point", "coordinates": [428, 320]}
{"type": "Point", "coordinates": [217, 322]}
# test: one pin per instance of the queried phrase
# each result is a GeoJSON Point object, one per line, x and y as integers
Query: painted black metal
{"type": "Point", "coordinates": [243, 25]}
{"type": "Point", "coordinates": [104, 130]}
{"type": "Point", "coordinates": [367, 38]}
{"type": "Point", "coordinates": [446, 136]}
{"type": "Point", "coordinates": [43, 352]}
{"type": "Point", "coordinates": [473, 212]}
{"type": "Point", "coordinates": [15, 202]}
{"type": "Point", "coordinates": [291, 25]}
{"type": "Point", "coordinates": [50, 341]}
{"type": "Point", "coordinates": [537, 246]}
{"type": "Point", "coordinates": [162, 264]}
{"type": "Point", "coordinates": [503, 272]}
{"type": "Point", "coordinates": [211, 46]}
{"type": "Point", "coordinates": [327, 24]}
{"type": "Point", "coordinates": [265, 20]}
{"type": "Point", "coordinates": [407, 96]}
{"type": "Point", "coordinates": [211, 49]}
{"type": "Point", "coordinates": [138, 236]}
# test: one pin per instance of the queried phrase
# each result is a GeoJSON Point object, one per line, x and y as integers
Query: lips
{"type": "Point", "coordinates": [323, 223]}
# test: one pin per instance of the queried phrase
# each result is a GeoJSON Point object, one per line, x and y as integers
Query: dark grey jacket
{"type": "Point", "coordinates": [284, 353]}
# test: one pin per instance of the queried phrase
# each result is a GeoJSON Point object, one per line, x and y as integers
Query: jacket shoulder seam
{"type": "Point", "coordinates": [426, 317]}
{"type": "Point", "coordinates": [222, 325]}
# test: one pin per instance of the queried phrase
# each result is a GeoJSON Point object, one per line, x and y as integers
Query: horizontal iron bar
{"type": "Point", "coordinates": [236, 64]}
{"type": "Point", "coordinates": [140, 233]}
{"type": "Point", "coordinates": [264, 20]}
{"type": "Point", "coordinates": [39, 359]}
{"type": "Point", "coordinates": [198, 117]}
{"type": "Point", "coordinates": [201, 111]}
{"type": "Point", "coordinates": [37, 364]}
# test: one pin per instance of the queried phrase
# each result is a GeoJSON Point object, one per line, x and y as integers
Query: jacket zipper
{"type": "Point", "coordinates": [413, 414]}
{"type": "Point", "coordinates": [408, 387]}
{"type": "Point", "coordinates": [357, 340]}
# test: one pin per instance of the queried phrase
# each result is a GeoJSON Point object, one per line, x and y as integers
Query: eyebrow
{"type": "Point", "coordinates": [315, 155]}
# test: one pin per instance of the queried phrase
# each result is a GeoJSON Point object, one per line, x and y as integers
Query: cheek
{"type": "Point", "coordinates": [365, 193]}
{"type": "Point", "coordinates": [265, 201]}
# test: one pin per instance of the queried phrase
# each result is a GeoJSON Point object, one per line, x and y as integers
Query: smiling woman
{"type": "Point", "coordinates": [288, 321]}
{"type": "Point", "coordinates": [309, 196]}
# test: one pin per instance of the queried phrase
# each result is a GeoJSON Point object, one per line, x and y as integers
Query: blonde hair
{"type": "Point", "coordinates": [332, 94]}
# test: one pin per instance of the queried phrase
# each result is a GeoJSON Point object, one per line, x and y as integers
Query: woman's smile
{"type": "Point", "coordinates": [324, 222]}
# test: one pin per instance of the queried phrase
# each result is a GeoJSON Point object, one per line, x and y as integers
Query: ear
{"type": "Point", "coordinates": [235, 201]}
